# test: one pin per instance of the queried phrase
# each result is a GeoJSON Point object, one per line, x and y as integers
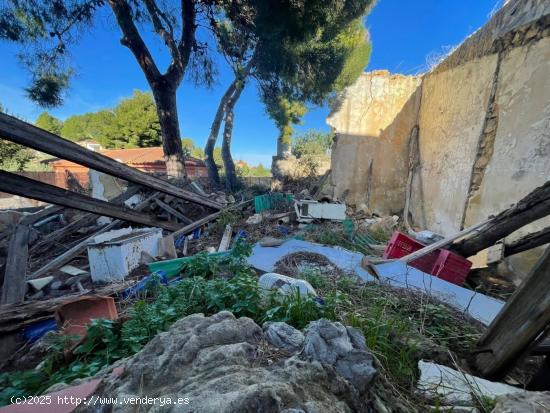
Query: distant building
{"type": "Point", "coordinates": [91, 145]}
{"type": "Point", "coordinates": [149, 160]}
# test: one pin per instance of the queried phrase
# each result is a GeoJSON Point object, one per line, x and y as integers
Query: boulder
{"type": "Point", "coordinates": [283, 336]}
{"type": "Point", "coordinates": [343, 348]}
{"type": "Point", "coordinates": [215, 363]}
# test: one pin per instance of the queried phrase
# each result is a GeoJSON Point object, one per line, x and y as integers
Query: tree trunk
{"type": "Point", "coordinates": [165, 99]}
{"type": "Point", "coordinates": [213, 174]}
{"type": "Point", "coordinates": [228, 164]}
{"type": "Point", "coordinates": [283, 146]}
{"type": "Point", "coordinates": [534, 206]}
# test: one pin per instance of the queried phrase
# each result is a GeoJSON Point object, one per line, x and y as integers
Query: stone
{"type": "Point", "coordinates": [56, 285]}
{"type": "Point", "coordinates": [271, 242]}
{"type": "Point", "coordinates": [69, 282]}
{"type": "Point", "coordinates": [385, 224]}
{"type": "Point", "coordinates": [231, 199]}
{"type": "Point", "coordinates": [254, 219]}
{"type": "Point", "coordinates": [283, 336]}
{"type": "Point", "coordinates": [215, 363]}
{"type": "Point", "coordinates": [451, 387]}
{"type": "Point", "coordinates": [532, 402]}
{"type": "Point", "coordinates": [343, 348]}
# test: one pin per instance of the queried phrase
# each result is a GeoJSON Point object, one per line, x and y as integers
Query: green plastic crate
{"type": "Point", "coordinates": [270, 201]}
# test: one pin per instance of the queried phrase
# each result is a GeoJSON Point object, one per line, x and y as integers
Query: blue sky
{"type": "Point", "coordinates": [405, 35]}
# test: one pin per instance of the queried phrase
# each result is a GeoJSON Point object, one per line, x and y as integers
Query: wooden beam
{"type": "Point", "coordinates": [191, 227]}
{"type": "Point", "coordinates": [25, 134]}
{"type": "Point", "coordinates": [442, 243]}
{"type": "Point", "coordinates": [75, 250]}
{"type": "Point", "coordinates": [80, 221]}
{"type": "Point", "coordinates": [533, 240]}
{"type": "Point", "coordinates": [19, 185]}
{"type": "Point", "coordinates": [173, 212]}
{"type": "Point", "coordinates": [14, 286]}
{"type": "Point", "coordinates": [520, 322]}
{"type": "Point", "coordinates": [534, 206]}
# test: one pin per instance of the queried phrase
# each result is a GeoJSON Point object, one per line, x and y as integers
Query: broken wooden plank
{"type": "Point", "coordinates": [75, 250]}
{"type": "Point", "coordinates": [197, 224]}
{"type": "Point", "coordinates": [520, 322]}
{"type": "Point", "coordinates": [534, 206]}
{"type": "Point", "coordinates": [43, 213]}
{"type": "Point", "coordinates": [173, 212]}
{"type": "Point", "coordinates": [442, 243]}
{"type": "Point", "coordinates": [226, 238]}
{"type": "Point", "coordinates": [14, 317]}
{"type": "Point", "coordinates": [28, 135]}
{"type": "Point", "coordinates": [14, 285]}
{"type": "Point", "coordinates": [533, 240]}
{"type": "Point", "coordinates": [81, 221]}
{"type": "Point", "coordinates": [19, 185]}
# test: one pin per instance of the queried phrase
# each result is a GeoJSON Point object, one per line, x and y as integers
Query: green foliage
{"type": "Point", "coordinates": [312, 142]}
{"type": "Point", "coordinates": [48, 122]}
{"type": "Point", "coordinates": [255, 171]}
{"type": "Point", "coordinates": [132, 123]}
{"type": "Point", "coordinates": [136, 123]}
{"type": "Point", "coordinates": [13, 157]}
{"type": "Point", "coordinates": [285, 113]}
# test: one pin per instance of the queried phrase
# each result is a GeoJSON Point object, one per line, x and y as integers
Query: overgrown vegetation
{"type": "Point", "coordinates": [394, 322]}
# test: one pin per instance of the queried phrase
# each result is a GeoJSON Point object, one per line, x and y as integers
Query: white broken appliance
{"type": "Point", "coordinates": [307, 210]}
{"type": "Point", "coordinates": [114, 254]}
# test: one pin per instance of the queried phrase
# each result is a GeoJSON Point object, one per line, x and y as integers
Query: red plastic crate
{"type": "Point", "coordinates": [400, 245]}
{"type": "Point", "coordinates": [451, 267]}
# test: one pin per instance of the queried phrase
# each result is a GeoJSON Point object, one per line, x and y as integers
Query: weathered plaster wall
{"type": "Point", "coordinates": [369, 157]}
{"type": "Point", "coordinates": [453, 109]}
{"type": "Point", "coordinates": [520, 160]}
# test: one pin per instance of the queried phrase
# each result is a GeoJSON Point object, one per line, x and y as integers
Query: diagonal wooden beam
{"type": "Point", "coordinates": [520, 322]}
{"type": "Point", "coordinates": [19, 185]}
{"type": "Point", "coordinates": [173, 212]}
{"type": "Point", "coordinates": [28, 135]}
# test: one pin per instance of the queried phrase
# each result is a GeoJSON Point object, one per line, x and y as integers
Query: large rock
{"type": "Point", "coordinates": [532, 402]}
{"type": "Point", "coordinates": [223, 364]}
{"type": "Point", "coordinates": [344, 349]}
{"type": "Point", "coordinates": [284, 336]}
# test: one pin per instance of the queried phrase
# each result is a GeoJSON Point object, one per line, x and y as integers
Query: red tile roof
{"type": "Point", "coordinates": [134, 156]}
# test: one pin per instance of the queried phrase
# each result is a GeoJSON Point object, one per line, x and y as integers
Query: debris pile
{"type": "Point", "coordinates": [172, 283]}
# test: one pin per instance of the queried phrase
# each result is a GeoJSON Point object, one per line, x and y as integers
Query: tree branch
{"type": "Point", "coordinates": [166, 34]}
{"type": "Point", "coordinates": [133, 41]}
{"type": "Point", "coordinates": [187, 42]}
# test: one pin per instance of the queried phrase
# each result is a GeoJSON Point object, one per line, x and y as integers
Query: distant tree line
{"type": "Point", "coordinates": [133, 123]}
{"type": "Point", "coordinates": [298, 53]}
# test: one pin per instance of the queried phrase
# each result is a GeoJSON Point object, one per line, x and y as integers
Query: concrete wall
{"type": "Point", "coordinates": [369, 156]}
{"type": "Point", "coordinates": [484, 130]}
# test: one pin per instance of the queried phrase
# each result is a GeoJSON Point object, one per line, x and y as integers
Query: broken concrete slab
{"type": "Point", "coordinates": [40, 283]}
{"type": "Point", "coordinates": [396, 273]}
{"type": "Point", "coordinates": [452, 387]}
{"type": "Point", "coordinates": [71, 270]}
{"type": "Point", "coordinates": [477, 305]}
